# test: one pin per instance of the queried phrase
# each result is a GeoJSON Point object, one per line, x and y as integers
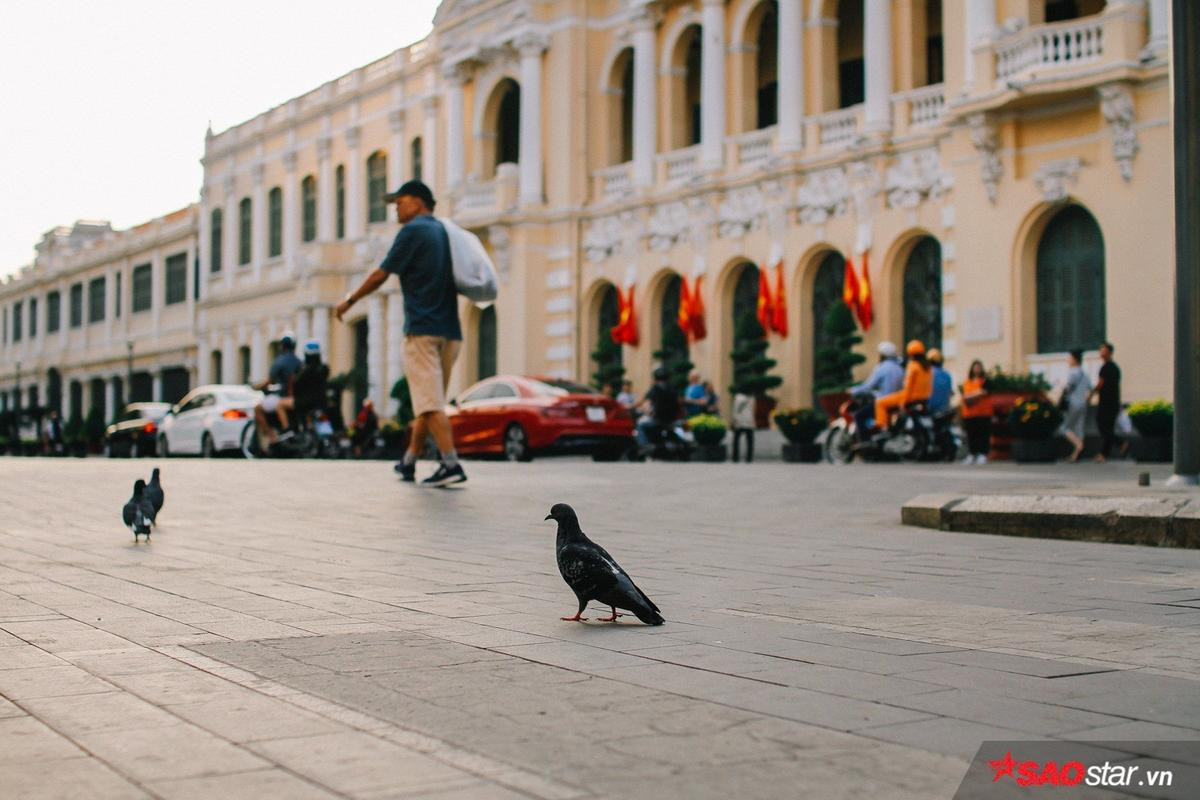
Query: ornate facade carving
{"type": "Point", "coordinates": [918, 175]}
{"type": "Point", "coordinates": [501, 242]}
{"type": "Point", "coordinates": [613, 235]}
{"type": "Point", "coordinates": [1054, 178]}
{"type": "Point", "coordinates": [865, 184]}
{"type": "Point", "coordinates": [740, 212]}
{"type": "Point", "coordinates": [1116, 104]}
{"type": "Point", "coordinates": [987, 142]}
{"type": "Point", "coordinates": [668, 226]}
{"type": "Point", "coordinates": [824, 195]}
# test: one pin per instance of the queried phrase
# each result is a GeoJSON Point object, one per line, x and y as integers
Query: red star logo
{"type": "Point", "coordinates": [1003, 767]}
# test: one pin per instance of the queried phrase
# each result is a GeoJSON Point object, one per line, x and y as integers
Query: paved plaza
{"type": "Point", "coordinates": [318, 629]}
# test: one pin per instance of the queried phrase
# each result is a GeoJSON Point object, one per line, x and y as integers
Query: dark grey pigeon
{"type": "Point", "coordinates": [593, 574]}
{"type": "Point", "coordinates": [138, 513]}
{"type": "Point", "coordinates": [154, 492]}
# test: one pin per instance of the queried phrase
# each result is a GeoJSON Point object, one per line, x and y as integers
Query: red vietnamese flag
{"type": "Point", "coordinates": [764, 301]}
{"type": "Point", "coordinates": [866, 314]}
{"type": "Point", "coordinates": [850, 288]}
{"type": "Point", "coordinates": [696, 312]}
{"type": "Point", "coordinates": [779, 309]}
{"type": "Point", "coordinates": [625, 331]}
{"type": "Point", "coordinates": [684, 317]}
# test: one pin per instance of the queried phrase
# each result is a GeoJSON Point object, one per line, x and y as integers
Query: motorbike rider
{"type": "Point", "coordinates": [660, 407]}
{"type": "Point", "coordinates": [918, 385]}
{"type": "Point", "coordinates": [886, 378]}
{"type": "Point", "coordinates": [308, 391]}
{"type": "Point", "coordinates": [278, 386]}
{"type": "Point", "coordinates": [943, 384]}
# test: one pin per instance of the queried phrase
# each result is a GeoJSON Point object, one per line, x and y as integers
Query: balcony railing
{"type": "Point", "coordinates": [680, 165]}
{"type": "Point", "coordinates": [920, 108]}
{"type": "Point", "coordinates": [475, 198]}
{"type": "Point", "coordinates": [612, 182]}
{"type": "Point", "coordinates": [837, 128]}
{"type": "Point", "coordinates": [754, 147]}
{"type": "Point", "coordinates": [1050, 46]}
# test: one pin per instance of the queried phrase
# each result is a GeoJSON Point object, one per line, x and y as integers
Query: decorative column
{"type": "Point", "coordinates": [203, 362]}
{"type": "Point", "coordinates": [204, 243]}
{"type": "Point", "coordinates": [229, 362]}
{"type": "Point", "coordinates": [231, 228]}
{"type": "Point", "coordinates": [429, 150]}
{"type": "Point", "coordinates": [156, 391]}
{"type": "Point", "coordinates": [375, 343]}
{"type": "Point", "coordinates": [258, 220]}
{"type": "Point", "coordinates": [877, 44]}
{"type": "Point", "coordinates": [158, 291]}
{"type": "Point", "coordinates": [397, 158]}
{"type": "Point", "coordinates": [325, 211]}
{"type": "Point", "coordinates": [455, 77]}
{"type": "Point", "coordinates": [395, 346]}
{"type": "Point", "coordinates": [645, 97]}
{"type": "Point", "coordinates": [111, 399]}
{"type": "Point", "coordinates": [303, 329]}
{"type": "Point", "coordinates": [791, 75]}
{"type": "Point", "coordinates": [291, 213]}
{"type": "Point", "coordinates": [258, 355]}
{"type": "Point", "coordinates": [980, 20]}
{"type": "Point", "coordinates": [531, 46]}
{"type": "Point", "coordinates": [354, 184]}
{"type": "Point", "coordinates": [320, 330]}
{"type": "Point", "coordinates": [712, 84]}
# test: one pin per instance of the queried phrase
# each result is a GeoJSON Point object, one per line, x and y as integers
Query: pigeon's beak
{"type": "Point", "coordinates": [549, 516]}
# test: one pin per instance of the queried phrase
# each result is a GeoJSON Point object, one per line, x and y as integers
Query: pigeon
{"type": "Point", "coordinates": [138, 513]}
{"type": "Point", "coordinates": [154, 492]}
{"type": "Point", "coordinates": [593, 574]}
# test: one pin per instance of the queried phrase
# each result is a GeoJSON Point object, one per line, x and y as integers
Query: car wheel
{"type": "Point", "coordinates": [250, 448]}
{"type": "Point", "coordinates": [206, 446]}
{"type": "Point", "coordinates": [163, 450]}
{"type": "Point", "coordinates": [516, 444]}
{"type": "Point", "coordinates": [608, 452]}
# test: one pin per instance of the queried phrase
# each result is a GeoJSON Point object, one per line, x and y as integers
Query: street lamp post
{"type": "Point", "coordinates": [1185, 66]}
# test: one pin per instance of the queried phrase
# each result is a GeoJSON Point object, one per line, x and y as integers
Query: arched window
{"type": "Point", "coordinates": [620, 87]}
{"type": "Point", "coordinates": [673, 350]}
{"type": "Point", "coordinates": [244, 211]}
{"type": "Point", "coordinates": [745, 305]}
{"type": "Point", "coordinates": [54, 389]}
{"type": "Point", "coordinates": [508, 123]}
{"type": "Point", "coordinates": [1070, 283]}
{"type": "Point", "coordinates": [1061, 10]}
{"type": "Point", "coordinates": [415, 158]}
{"type": "Point", "coordinates": [687, 123]}
{"type": "Point", "coordinates": [339, 190]}
{"type": "Point", "coordinates": [851, 81]}
{"type": "Point", "coordinates": [923, 293]}
{"type": "Point", "coordinates": [766, 83]}
{"type": "Point", "coordinates": [216, 364]}
{"type": "Point", "coordinates": [827, 292]}
{"type": "Point", "coordinates": [275, 222]}
{"type": "Point", "coordinates": [376, 187]}
{"type": "Point", "coordinates": [486, 343]}
{"type": "Point", "coordinates": [308, 204]}
{"type": "Point", "coordinates": [216, 239]}
{"type": "Point", "coordinates": [244, 364]}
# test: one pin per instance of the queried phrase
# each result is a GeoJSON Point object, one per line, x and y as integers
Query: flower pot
{"type": "Point", "coordinates": [763, 406]}
{"type": "Point", "coordinates": [709, 437]}
{"type": "Point", "coordinates": [711, 452]}
{"type": "Point", "coordinates": [1152, 449]}
{"type": "Point", "coordinates": [831, 402]}
{"type": "Point", "coordinates": [1035, 451]}
{"type": "Point", "coordinates": [801, 453]}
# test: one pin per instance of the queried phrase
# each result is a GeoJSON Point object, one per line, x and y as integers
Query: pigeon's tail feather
{"type": "Point", "coordinates": [647, 615]}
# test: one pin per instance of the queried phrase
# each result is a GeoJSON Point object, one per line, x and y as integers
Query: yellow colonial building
{"type": "Point", "coordinates": [1002, 167]}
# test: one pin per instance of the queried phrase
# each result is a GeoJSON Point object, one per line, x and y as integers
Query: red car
{"type": "Point", "coordinates": [517, 416]}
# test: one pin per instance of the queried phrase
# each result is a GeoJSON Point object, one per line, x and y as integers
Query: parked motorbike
{"type": "Point", "coordinates": [669, 443]}
{"type": "Point", "coordinates": [311, 437]}
{"type": "Point", "coordinates": [915, 435]}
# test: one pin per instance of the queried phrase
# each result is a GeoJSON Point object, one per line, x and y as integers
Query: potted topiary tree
{"type": "Point", "coordinates": [709, 432]}
{"type": "Point", "coordinates": [1004, 391]}
{"type": "Point", "coordinates": [835, 361]}
{"type": "Point", "coordinates": [673, 356]}
{"type": "Point", "coordinates": [1154, 420]}
{"type": "Point", "coordinates": [1033, 422]}
{"type": "Point", "coordinates": [801, 427]}
{"type": "Point", "coordinates": [609, 369]}
{"type": "Point", "coordinates": [752, 368]}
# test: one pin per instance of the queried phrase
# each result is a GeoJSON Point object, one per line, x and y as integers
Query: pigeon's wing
{"type": "Point", "coordinates": [623, 576]}
{"type": "Point", "coordinates": [128, 512]}
{"type": "Point", "coordinates": [155, 494]}
{"type": "Point", "coordinates": [149, 510]}
{"type": "Point", "coordinates": [586, 571]}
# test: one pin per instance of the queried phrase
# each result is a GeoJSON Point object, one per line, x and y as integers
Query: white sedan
{"type": "Point", "coordinates": [208, 420]}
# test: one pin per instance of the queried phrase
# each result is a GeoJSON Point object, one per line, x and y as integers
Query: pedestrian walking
{"type": "Point", "coordinates": [977, 414]}
{"type": "Point", "coordinates": [1074, 403]}
{"type": "Point", "coordinates": [943, 384]}
{"type": "Point", "coordinates": [626, 397]}
{"type": "Point", "coordinates": [1108, 407]}
{"type": "Point", "coordinates": [712, 401]}
{"type": "Point", "coordinates": [693, 395]}
{"type": "Point", "coordinates": [743, 424]}
{"type": "Point", "coordinates": [420, 258]}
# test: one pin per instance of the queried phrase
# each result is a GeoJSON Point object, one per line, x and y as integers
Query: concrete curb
{"type": "Point", "coordinates": [1154, 521]}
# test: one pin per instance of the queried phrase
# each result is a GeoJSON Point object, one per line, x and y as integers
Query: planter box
{"type": "Point", "coordinates": [832, 401]}
{"type": "Point", "coordinates": [711, 452]}
{"type": "Point", "coordinates": [802, 453]}
{"type": "Point", "coordinates": [1152, 449]}
{"type": "Point", "coordinates": [1035, 451]}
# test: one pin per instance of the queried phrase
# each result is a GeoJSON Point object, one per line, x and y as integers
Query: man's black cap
{"type": "Point", "coordinates": [413, 189]}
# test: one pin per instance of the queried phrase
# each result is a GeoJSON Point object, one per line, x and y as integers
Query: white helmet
{"type": "Point", "coordinates": [887, 349]}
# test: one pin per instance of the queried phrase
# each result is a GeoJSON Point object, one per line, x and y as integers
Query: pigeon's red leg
{"type": "Point", "coordinates": [576, 618]}
{"type": "Point", "coordinates": [613, 618]}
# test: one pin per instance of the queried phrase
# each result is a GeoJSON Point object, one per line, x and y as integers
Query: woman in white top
{"type": "Point", "coordinates": [743, 424]}
{"type": "Point", "coordinates": [1075, 400]}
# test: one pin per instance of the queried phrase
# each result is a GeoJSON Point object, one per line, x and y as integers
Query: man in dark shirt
{"type": "Point", "coordinates": [420, 257]}
{"type": "Point", "coordinates": [278, 386]}
{"type": "Point", "coordinates": [308, 391]}
{"type": "Point", "coordinates": [661, 407]}
{"type": "Point", "coordinates": [1108, 388]}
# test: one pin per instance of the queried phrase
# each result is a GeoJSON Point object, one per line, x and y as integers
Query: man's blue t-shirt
{"type": "Point", "coordinates": [285, 365]}
{"type": "Point", "coordinates": [420, 256]}
{"type": "Point", "coordinates": [943, 388]}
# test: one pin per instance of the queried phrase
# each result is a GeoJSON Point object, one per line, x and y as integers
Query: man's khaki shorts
{"type": "Point", "coordinates": [427, 364]}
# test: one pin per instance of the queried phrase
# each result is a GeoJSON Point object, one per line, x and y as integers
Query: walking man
{"type": "Point", "coordinates": [420, 257]}
{"type": "Point", "coordinates": [1109, 406]}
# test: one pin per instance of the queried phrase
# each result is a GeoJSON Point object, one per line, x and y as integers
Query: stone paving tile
{"type": "Point", "coordinates": [110, 711]}
{"type": "Point", "coordinates": [21, 684]}
{"type": "Point", "coordinates": [256, 785]}
{"type": "Point", "coordinates": [26, 655]}
{"type": "Point", "coordinates": [249, 716]}
{"type": "Point", "coordinates": [954, 737]}
{"type": "Point", "coordinates": [28, 740]}
{"type": "Point", "coordinates": [66, 779]}
{"type": "Point", "coordinates": [164, 753]}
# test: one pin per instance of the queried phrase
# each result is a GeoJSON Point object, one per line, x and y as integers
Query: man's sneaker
{"type": "Point", "coordinates": [407, 472]}
{"type": "Point", "coordinates": [445, 476]}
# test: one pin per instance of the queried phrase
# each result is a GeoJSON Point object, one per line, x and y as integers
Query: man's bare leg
{"type": "Point", "coordinates": [265, 435]}
{"type": "Point", "coordinates": [416, 442]}
{"type": "Point", "coordinates": [439, 426]}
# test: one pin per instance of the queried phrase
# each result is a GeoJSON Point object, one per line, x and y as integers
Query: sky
{"type": "Point", "coordinates": [104, 103]}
